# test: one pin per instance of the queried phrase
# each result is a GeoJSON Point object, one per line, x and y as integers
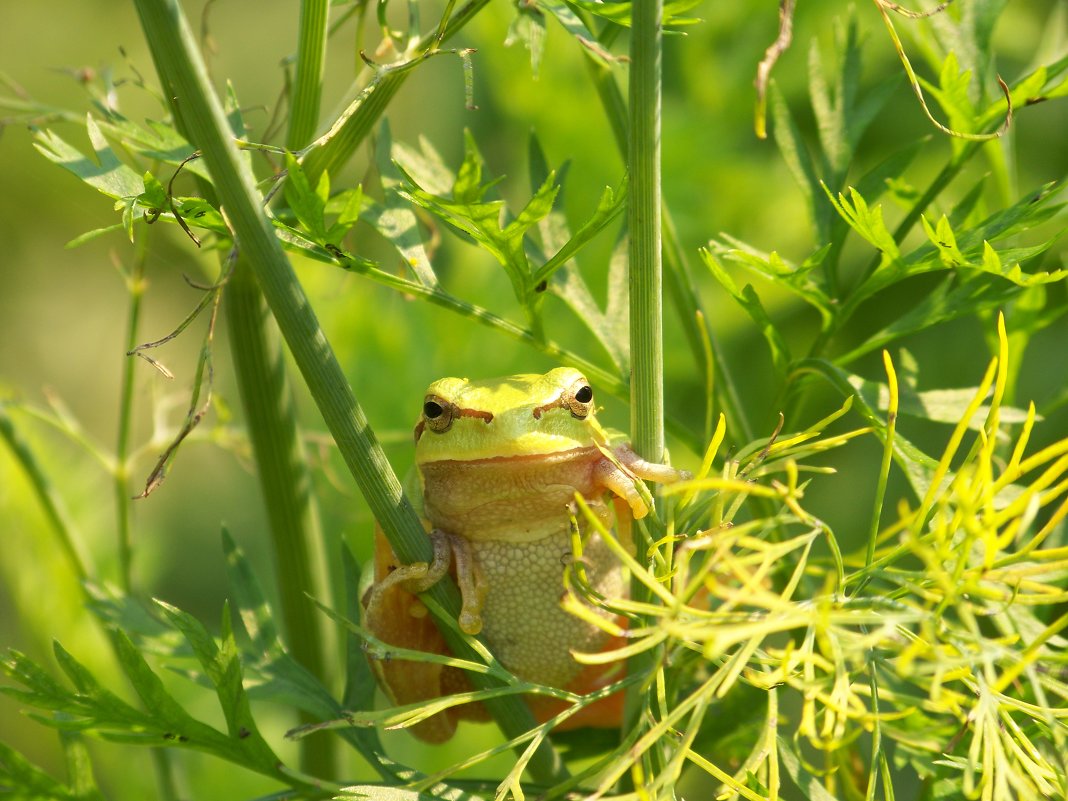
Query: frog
{"type": "Point", "coordinates": [499, 464]}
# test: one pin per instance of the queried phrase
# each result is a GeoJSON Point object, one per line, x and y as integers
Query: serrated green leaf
{"type": "Point", "coordinates": [105, 172]}
{"type": "Point", "coordinates": [25, 780]}
{"type": "Point", "coordinates": [868, 222]}
{"type": "Point", "coordinates": [303, 201]}
{"type": "Point", "coordinates": [620, 13]}
{"type": "Point", "coordinates": [748, 299]}
{"type": "Point", "coordinates": [795, 278]}
{"type": "Point", "coordinates": [573, 24]}
{"type": "Point", "coordinates": [425, 166]}
{"type": "Point", "coordinates": [609, 326]}
{"type": "Point", "coordinates": [252, 607]}
{"type": "Point", "coordinates": [944, 241]}
{"type": "Point", "coordinates": [611, 204]}
{"type": "Point", "coordinates": [467, 188]}
{"type": "Point", "coordinates": [395, 219]}
{"type": "Point", "coordinates": [157, 142]}
{"type": "Point", "coordinates": [222, 665]}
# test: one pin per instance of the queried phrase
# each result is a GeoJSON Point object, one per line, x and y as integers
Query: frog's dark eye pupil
{"type": "Point", "coordinates": [432, 410]}
{"type": "Point", "coordinates": [585, 394]}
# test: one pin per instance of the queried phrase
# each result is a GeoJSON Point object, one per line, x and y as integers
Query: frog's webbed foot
{"type": "Point", "coordinates": [421, 576]}
{"type": "Point", "coordinates": [620, 480]}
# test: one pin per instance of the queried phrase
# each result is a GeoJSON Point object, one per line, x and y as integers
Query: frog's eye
{"type": "Point", "coordinates": [438, 414]}
{"type": "Point", "coordinates": [579, 399]}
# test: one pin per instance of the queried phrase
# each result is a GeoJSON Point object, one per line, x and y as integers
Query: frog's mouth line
{"type": "Point", "coordinates": [550, 458]}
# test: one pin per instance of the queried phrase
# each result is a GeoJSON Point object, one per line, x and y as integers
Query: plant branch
{"type": "Point", "coordinates": [177, 59]}
{"type": "Point", "coordinates": [307, 88]}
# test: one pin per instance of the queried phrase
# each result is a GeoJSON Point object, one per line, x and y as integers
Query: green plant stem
{"type": "Point", "coordinates": [644, 226]}
{"type": "Point", "coordinates": [161, 759]}
{"type": "Point", "coordinates": [683, 293]}
{"type": "Point", "coordinates": [307, 88]}
{"type": "Point", "coordinates": [646, 302]}
{"type": "Point", "coordinates": [296, 537]}
{"type": "Point", "coordinates": [181, 69]}
{"type": "Point", "coordinates": [123, 494]}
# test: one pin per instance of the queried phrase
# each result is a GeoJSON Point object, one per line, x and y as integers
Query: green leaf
{"type": "Point", "coordinates": [104, 172]}
{"type": "Point", "coordinates": [394, 219]}
{"type": "Point", "coordinates": [359, 680]}
{"type": "Point", "coordinates": [528, 27]}
{"type": "Point", "coordinates": [612, 202]}
{"type": "Point", "coordinates": [305, 202]}
{"type": "Point", "coordinates": [795, 153]}
{"type": "Point", "coordinates": [809, 785]}
{"type": "Point", "coordinates": [222, 665]}
{"type": "Point", "coordinates": [620, 13]}
{"type": "Point", "coordinates": [950, 300]}
{"type": "Point", "coordinates": [943, 239]}
{"type": "Point", "coordinates": [252, 607]}
{"type": "Point", "coordinates": [918, 467]}
{"type": "Point", "coordinates": [156, 142]}
{"type": "Point", "coordinates": [573, 24]}
{"type": "Point", "coordinates": [868, 222]}
{"type": "Point", "coordinates": [466, 211]}
{"type": "Point", "coordinates": [21, 779]}
{"type": "Point", "coordinates": [748, 299]}
{"type": "Point", "coordinates": [795, 278]}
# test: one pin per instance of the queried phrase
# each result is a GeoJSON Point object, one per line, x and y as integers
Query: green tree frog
{"type": "Point", "coordinates": [499, 463]}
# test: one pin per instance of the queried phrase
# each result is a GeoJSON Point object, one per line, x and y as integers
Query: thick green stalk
{"type": "Point", "coordinates": [296, 537]}
{"type": "Point", "coordinates": [643, 223]}
{"type": "Point", "coordinates": [646, 310]}
{"type": "Point", "coordinates": [307, 88]}
{"type": "Point", "coordinates": [175, 54]}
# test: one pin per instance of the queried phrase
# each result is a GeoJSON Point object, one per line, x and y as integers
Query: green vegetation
{"type": "Point", "coordinates": [860, 595]}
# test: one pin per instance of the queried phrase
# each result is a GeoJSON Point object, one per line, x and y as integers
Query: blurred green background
{"type": "Point", "coordinates": [63, 311]}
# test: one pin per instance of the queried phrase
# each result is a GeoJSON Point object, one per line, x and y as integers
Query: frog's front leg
{"type": "Point", "coordinates": [619, 478]}
{"type": "Point", "coordinates": [421, 576]}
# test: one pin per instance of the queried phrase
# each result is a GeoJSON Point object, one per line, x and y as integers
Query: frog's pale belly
{"type": "Point", "coordinates": [523, 621]}
{"type": "Point", "coordinates": [515, 498]}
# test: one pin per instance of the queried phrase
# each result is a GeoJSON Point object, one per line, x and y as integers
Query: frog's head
{"type": "Point", "coordinates": [520, 415]}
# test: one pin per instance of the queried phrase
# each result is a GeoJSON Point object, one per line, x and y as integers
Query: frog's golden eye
{"type": "Point", "coordinates": [579, 398]}
{"type": "Point", "coordinates": [438, 413]}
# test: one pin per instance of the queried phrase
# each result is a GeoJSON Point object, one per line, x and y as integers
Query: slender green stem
{"type": "Point", "coordinates": [307, 88]}
{"type": "Point", "coordinates": [123, 494]}
{"type": "Point", "coordinates": [176, 57]}
{"type": "Point", "coordinates": [646, 287]}
{"type": "Point", "coordinates": [644, 226]}
{"type": "Point", "coordinates": [161, 759]}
